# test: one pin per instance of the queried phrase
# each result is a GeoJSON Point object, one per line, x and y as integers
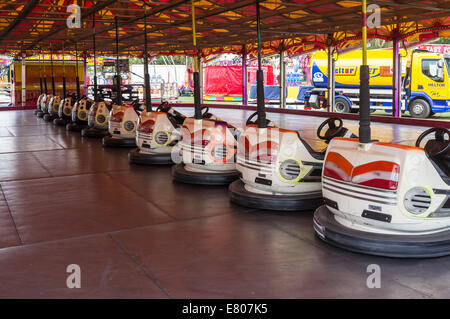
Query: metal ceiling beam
{"type": "Point", "coordinates": [409, 5]}
{"type": "Point", "coordinates": [207, 14]}
{"type": "Point", "coordinates": [29, 6]}
{"type": "Point", "coordinates": [150, 12]}
{"type": "Point", "coordinates": [84, 15]}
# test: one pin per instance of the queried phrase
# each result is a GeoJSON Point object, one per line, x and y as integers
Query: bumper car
{"type": "Point", "coordinates": [38, 112]}
{"type": "Point", "coordinates": [79, 115]}
{"type": "Point", "coordinates": [157, 135]}
{"type": "Point", "coordinates": [65, 111]}
{"type": "Point", "coordinates": [97, 120]}
{"type": "Point", "coordinates": [279, 169]}
{"type": "Point", "coordinates": [208, 144]}
{"type": "Point", "coordinates": [387, 199]}
{"type": "Point", "coordinates": [208, 148]}
{"type": "Point", "coordinates": [52, 109]}
{"type": "Point", "coordinates": [122, 126]}
{"type": "Point", "coordinates": [45, 102]}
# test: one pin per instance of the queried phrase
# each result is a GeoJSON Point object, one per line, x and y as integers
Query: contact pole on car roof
{"type": "Point", "coordinates": [45, 78]}
{"type": "Point", "coordinates": [118, 80]}
{"type": "Point", "coordinates": [51, 66]}
{"type": "Point", "coordinates": [364, 98]}
{"type": "Point", "coordinates": [64, 75]}
{"type": "Point", "coordinates": [148, 99]}
{"type": "Point", "coordinates": [76, 66]}
{"type": "Point", "coordinates": [259, 75]}
{"type": "Point", "coordinates": [95, 62]}
{"type": "Point", "coordinates": [197, 103]}
{"type": "Point", "coordinates": [40, 73]}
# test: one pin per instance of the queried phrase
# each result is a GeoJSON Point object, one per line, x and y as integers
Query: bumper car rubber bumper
{"type": "Point", "coordinates": [40, 114]}
{"type": "Point", "coordinates": [136, 157]}
{"type": "Point", "coordinates": [48, 117]}
{"type": "Point", "coordinates": [109, 141]}
{"type": "Point", "coordinates": [60, 122]}
{"type": "Point", "coordinates": [180, 174]}
{"type": "Point", "coordinates": [75, 127]}
{"type": "Point", "coordinates": [239, 195]}
{"type": "Point", "coordinates": [92, 132]}
{"type": "Point", "coordinates": [37, 111]}
{"type": "Point", "coordinates": [379, 244]}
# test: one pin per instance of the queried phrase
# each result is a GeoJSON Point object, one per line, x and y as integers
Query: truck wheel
{"type": "Point", "coordinates": [419, 109]}
{"type": "Point", "coordinates": [341, 105]}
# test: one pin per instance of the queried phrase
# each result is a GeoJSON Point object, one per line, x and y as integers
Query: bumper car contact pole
{"type": "Point", "coordinates": [364, 103]}
{"type": "Point", "coordinates": [53, 75]}
{"type": "Point", "coordinates": [260, 75]}
{"type": "Point", "coordinates": [64, 76]}
{"type": "Point", "coordinates": [197, 103]}
{"type": "Point", "coordinates": [78, 78]}
{"type": "Point", "coordinates": [200, 164]}
{"type": "Point", "coordinates": [95, 59]}
{"type": "Point", "coordinates": [148, 98]}
{"type": "Point", "coordinates": [121, 131]}
{"type": "Point", "coordinates": [118, 83]}
{"type": "Point", "coordinates": [38, 104]}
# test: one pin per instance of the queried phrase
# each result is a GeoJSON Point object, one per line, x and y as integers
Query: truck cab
{"type": "Point", "coordinates": [425, 82]}
{"type": "Point", "coordinates": [428, 88]}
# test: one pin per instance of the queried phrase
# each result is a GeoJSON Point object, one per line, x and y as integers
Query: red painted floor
{"type": "Point", "coordinates": [137, 234]}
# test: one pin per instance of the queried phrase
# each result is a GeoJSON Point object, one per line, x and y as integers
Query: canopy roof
{"type": "Point", "coordinates": [296, 26]}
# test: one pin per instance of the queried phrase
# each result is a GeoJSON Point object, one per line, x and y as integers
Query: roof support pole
{"type": "Point", "coordinates": [364, 96]}
{"type": "Point", "coordinates": [396, 78]}
{"type": "Point", "coordinates": [305, 60]}
{"type": "Point", "coordinates": [85, 88]}
{"type": "Point", "coordinates": [244, 76]}
{"type": "Point", "coordinates": [282, 81]}
{"type": "Point", "coordinates": [331, 80]}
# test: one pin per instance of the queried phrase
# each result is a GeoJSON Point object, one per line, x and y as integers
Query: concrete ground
{"type": "Point", "coordinates": [135, 233]}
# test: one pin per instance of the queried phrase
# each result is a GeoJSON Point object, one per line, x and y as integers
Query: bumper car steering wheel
{"type": "Point", "coordinates": [253, 120]}
{"type": "Point", "coordinates": [437, 146]}
{"type": "Point", "coordinates": [333, 129]}
{"type": "Point", "coordinates": [163, 107]}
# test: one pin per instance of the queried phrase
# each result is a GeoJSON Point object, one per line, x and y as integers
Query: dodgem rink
{"type": "Point", "coordinates": [110, 218]}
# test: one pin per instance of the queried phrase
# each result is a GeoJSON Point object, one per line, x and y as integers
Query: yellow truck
{"type": "Point", "coordinates": [425, 87]}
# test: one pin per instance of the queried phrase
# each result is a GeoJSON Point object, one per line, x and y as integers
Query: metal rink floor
{"type": "Point", "coordinates": [135, 233]}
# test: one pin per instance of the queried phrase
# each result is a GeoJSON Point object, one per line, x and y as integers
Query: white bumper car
{"type": "Point", "coordinates": [387, 199]}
